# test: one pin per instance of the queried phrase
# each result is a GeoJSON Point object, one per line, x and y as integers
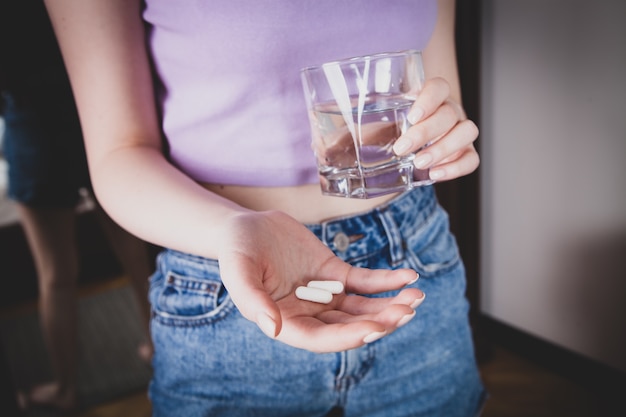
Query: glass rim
{"type": "Point", "coordinates": [344, 61]}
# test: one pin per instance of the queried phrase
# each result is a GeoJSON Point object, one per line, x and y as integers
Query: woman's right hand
{"type": "Point", "coordinates": [267, 255]}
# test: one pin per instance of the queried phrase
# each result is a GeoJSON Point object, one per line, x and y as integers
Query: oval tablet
{"type": "Point", "coordinates": [335, 287]}
{"type": "Point", "coordinates": [314, 294]}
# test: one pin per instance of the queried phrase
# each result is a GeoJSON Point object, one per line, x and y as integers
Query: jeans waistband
{"type": "Point", "coordinates": [359, 235]}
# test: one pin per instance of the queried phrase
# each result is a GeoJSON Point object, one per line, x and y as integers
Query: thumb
{"type": "Point", "coordinates": [245, 285]}
{"type": "Point", "coordinates": [266, 315]}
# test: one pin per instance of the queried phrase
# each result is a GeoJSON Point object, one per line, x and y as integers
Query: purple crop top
{"type": "Point", "coordinates": [229, 76]}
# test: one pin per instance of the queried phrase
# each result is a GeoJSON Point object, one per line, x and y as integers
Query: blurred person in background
{"type": "Point", "coordinates": [48, 175]}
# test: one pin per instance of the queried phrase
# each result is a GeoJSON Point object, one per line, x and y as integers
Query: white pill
{"type": "Point", "coordinates": [314, 294]}
{"type": "Point", "coordinates": [335, 287]}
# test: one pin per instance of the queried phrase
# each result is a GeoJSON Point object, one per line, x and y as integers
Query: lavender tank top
{"type": "Point", "coordinates": [228, 81]}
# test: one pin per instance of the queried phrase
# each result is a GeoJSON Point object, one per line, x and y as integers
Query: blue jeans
{"type": "Point", "coordinates": [43, 145]}
{"type": "Point", "coordinates": [210, 361]}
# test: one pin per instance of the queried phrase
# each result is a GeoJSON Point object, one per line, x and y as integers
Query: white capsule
{"type": "Point", "coordinates": [314, 294]}
{"type": "Point", "coordinates": [335, 287]}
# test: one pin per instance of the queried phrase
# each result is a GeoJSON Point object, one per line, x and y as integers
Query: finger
{"type": "Point", "coordinates": [466, 163]}
{"type": "Point", "coordinates": [434, 93]}
{"type": "Point", "coordinates": [392, 316]}
{"type": "Point", "coordinates": [371, 281]}
{"type": "Point", "coordinates": [356, 305]}
{"type": "Point", "coordinates": [249, 295]}
{"type": "Point", "coordinates": [312, 334]}
{"type": "Point", "coordinates": [451, 145]}
{"type": "Point", "coordinates": [428, 129]}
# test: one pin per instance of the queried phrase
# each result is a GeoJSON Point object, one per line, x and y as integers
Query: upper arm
{"type": "Point", "coordinates": [104, 49]}
{"type": "Point", "coordinates": [440, 53]}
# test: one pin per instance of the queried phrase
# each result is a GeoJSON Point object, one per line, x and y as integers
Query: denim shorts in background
{"type": "Point", "coordinates": [44, 149]}
{"type": "Point", "coordinates": [210, 361]}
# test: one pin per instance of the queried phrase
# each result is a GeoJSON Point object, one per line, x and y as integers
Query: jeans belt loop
{"type": "Point", "coordinates": [396, 248]}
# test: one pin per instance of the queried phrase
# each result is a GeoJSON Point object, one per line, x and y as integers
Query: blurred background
{"type": "Point", "coordinates": [553, 174]}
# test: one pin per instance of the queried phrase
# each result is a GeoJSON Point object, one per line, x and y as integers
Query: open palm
{"type": "Point", "coordinates": [268, 255]}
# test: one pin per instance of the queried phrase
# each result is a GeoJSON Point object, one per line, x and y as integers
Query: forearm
{"type": "Point", "coordinates": [155, 201]}
{"type": "Point", "coordinates": [440, 54]}
{"type": "Point", "coordinates": [103, 46]}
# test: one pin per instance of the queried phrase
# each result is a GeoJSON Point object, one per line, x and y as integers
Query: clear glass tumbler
{"type": "Point", "coordinates": [357, 110]}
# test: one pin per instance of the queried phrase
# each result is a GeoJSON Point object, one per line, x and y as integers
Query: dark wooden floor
{"type": "Point", "coordinates": [521, 388]}
{"type": "Point", "coordinates": [518, 387]}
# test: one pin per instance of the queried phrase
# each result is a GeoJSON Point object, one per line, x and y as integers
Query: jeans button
{"type": "Point", "coordinates": [341, 241]}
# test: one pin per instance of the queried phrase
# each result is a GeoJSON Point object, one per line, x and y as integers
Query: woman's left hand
{"type": "Point", "coordinates": [440, 122]}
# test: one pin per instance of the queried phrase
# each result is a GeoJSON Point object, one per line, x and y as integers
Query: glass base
{"type": "Point", "coordinates": [397, 176]}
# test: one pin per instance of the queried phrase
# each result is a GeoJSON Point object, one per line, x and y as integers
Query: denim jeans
{"type": "Point", "coordinates": [43, 146]}
{"type": "Point", "coordinates": [210, 361]}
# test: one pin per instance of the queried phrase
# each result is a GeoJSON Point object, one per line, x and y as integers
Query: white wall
{"type": "Point", "coordinates": [553, 138]}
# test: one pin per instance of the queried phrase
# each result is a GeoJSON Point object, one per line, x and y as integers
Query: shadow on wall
{"type": "Point", "coordinates": [595, 265]}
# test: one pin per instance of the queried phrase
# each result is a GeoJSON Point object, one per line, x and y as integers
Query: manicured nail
{"type": "Point", "coordinates": [415, 115]}
{"type": "Point", "coordinates": [436, 174]}
{"type": "Point", "coordinates": [417, 276]}
{"type": "Point", "coordinates": [417, 302]}
{"type": "Point", "coordinates": [405, 319]}
{"type": "Point", "coordinates": [402, 145]}
{"type": "Point", "coordinates": [267, 324]}
{"type": "Point", "coordinates": [373, 336]}
{"type": "Point", "coordinates": [423, 160]}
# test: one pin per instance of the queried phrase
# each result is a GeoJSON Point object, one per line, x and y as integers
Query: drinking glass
{"type": "Point", "coordinates": [357, 110]}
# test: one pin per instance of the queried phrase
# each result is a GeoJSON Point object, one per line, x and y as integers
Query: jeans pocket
{"type": "Point", "coordinates": [180, 299]}
{"type": "Point", "coordinates": [432, 250]}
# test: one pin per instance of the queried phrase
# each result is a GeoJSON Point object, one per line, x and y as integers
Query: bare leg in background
{"type": "Point", "coordinates": [51, 235]}
{"type": "Point", "coordinates": [134, 258]}
{"type": "Point", "coordinates": [52, 239]}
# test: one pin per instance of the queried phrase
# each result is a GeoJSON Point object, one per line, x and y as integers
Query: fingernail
{"type": "Point", "coordinates": [417, 276]}
{"type": "Point", "coordinates": [436, 174]}
{"type": "Point", "coordinates": [373, 336]}
{"type": "Point", "coordinates": [423, 160]}
{"type": "Point", "coordinates": [402, 145]}
{"type": "Point", "coordinates": [267, 324]}
{"type": "Point", "coordinates": [417, 302]}
{"type": "Point", "coordinates": [405, 319]}
{"type": "Point", "coordinates": [415, 115]}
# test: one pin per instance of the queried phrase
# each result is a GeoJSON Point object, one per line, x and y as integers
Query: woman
{"type": "Point", "coordinates": [232, 192]}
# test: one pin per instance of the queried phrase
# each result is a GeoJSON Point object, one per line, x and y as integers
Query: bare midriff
{"type": "Point", "coordinates": [304, 203]}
